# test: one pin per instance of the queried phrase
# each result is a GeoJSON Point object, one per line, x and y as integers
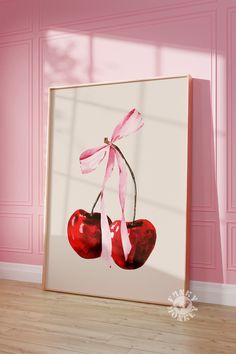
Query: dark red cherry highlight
{"type": "Point", "coordinates": [84, 233]}
{"type": "Point", "coordinates": [142, 235]}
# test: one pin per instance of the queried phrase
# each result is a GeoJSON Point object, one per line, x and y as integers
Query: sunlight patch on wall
{"type": "Point", "coordinates": [78, 58]}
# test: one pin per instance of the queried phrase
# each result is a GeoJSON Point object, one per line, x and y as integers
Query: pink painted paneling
{"type": "Point", "coordinates": [74, 11]}
{"type": "Point", "coordinates": [60, 42]}
{"type": "Point", "coordinates": [16, 233]}
{"type": "Point", "coordinates": [231, 56]}
{"type": "Point", "coordinates": [231, 246]}
{"type": "Point", "coordinates": [203, 233]}
{"type": "Point", "coordinates": [16, 123]}
{"type": "Point", "coordinates": [15, 16]}
{"type": "Point", "coordinates": [40, 235]}
{"type": "Point", "coordinates": [206, 259]}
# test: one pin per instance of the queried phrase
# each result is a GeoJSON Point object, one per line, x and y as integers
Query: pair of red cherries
{"type": "Point", "coordinates": [84, 234]}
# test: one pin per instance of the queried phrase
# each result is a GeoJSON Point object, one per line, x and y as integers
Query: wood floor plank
{"type": "Point", "coordinates": [65, 341]}
{"type": "Point", "coordinates": [169, 344]}
{"type": "Point", "coordinates": [12, 346]}
{"type": "Point", "coordinates": [136, 351]}
{"type": "Point", "coordinates": [33, 321]}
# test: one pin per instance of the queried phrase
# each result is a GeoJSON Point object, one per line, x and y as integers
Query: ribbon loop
{"type": "Point", "coordinates": [89, 161]}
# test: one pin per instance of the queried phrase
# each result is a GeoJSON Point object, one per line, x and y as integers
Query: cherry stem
{"type": "Point", "coordinates": [133, 177]}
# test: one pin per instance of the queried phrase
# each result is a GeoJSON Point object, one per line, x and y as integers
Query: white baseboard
{"type": "Point", "coordinates": [212, 293]}
{"type": "Point", "coordinates": [22, 272]}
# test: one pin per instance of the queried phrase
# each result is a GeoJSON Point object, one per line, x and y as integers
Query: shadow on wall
{"type": "Point", "coordinates": [206, 249]}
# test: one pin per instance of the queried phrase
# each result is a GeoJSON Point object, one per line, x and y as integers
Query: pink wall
{"type": "Point", "coordinates": [53, 42]}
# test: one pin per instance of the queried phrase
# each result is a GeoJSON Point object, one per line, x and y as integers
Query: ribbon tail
{"type": "Point", "coordinates": [106, 234]}
{"type": "Point", "coordinates": [122, 193]}
{"type": "Point", "coordinates": [105, 228]}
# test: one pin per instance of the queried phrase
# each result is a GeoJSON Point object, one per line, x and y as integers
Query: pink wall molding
{"type": "Point", "coordinates": [59, 42]}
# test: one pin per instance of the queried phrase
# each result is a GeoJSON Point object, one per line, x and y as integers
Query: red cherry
{"type": "Point", "coordinates": [142, 235]}
{"type": "Point", "coordinates": [84, 233]}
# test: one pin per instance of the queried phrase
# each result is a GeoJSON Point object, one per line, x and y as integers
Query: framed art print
{"type": "Point", "coordinates": [117, 220]}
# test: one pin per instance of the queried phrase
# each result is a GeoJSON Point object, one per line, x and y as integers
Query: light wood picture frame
{"type": "Point", "coordinates": [159, 153]}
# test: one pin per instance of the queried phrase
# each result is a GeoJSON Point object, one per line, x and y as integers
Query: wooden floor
{"type": "Point", "coordinates": [33, 321]}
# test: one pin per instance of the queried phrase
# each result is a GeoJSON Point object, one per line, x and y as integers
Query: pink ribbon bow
{"type": "Point", "coordinates": [91, 158]}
